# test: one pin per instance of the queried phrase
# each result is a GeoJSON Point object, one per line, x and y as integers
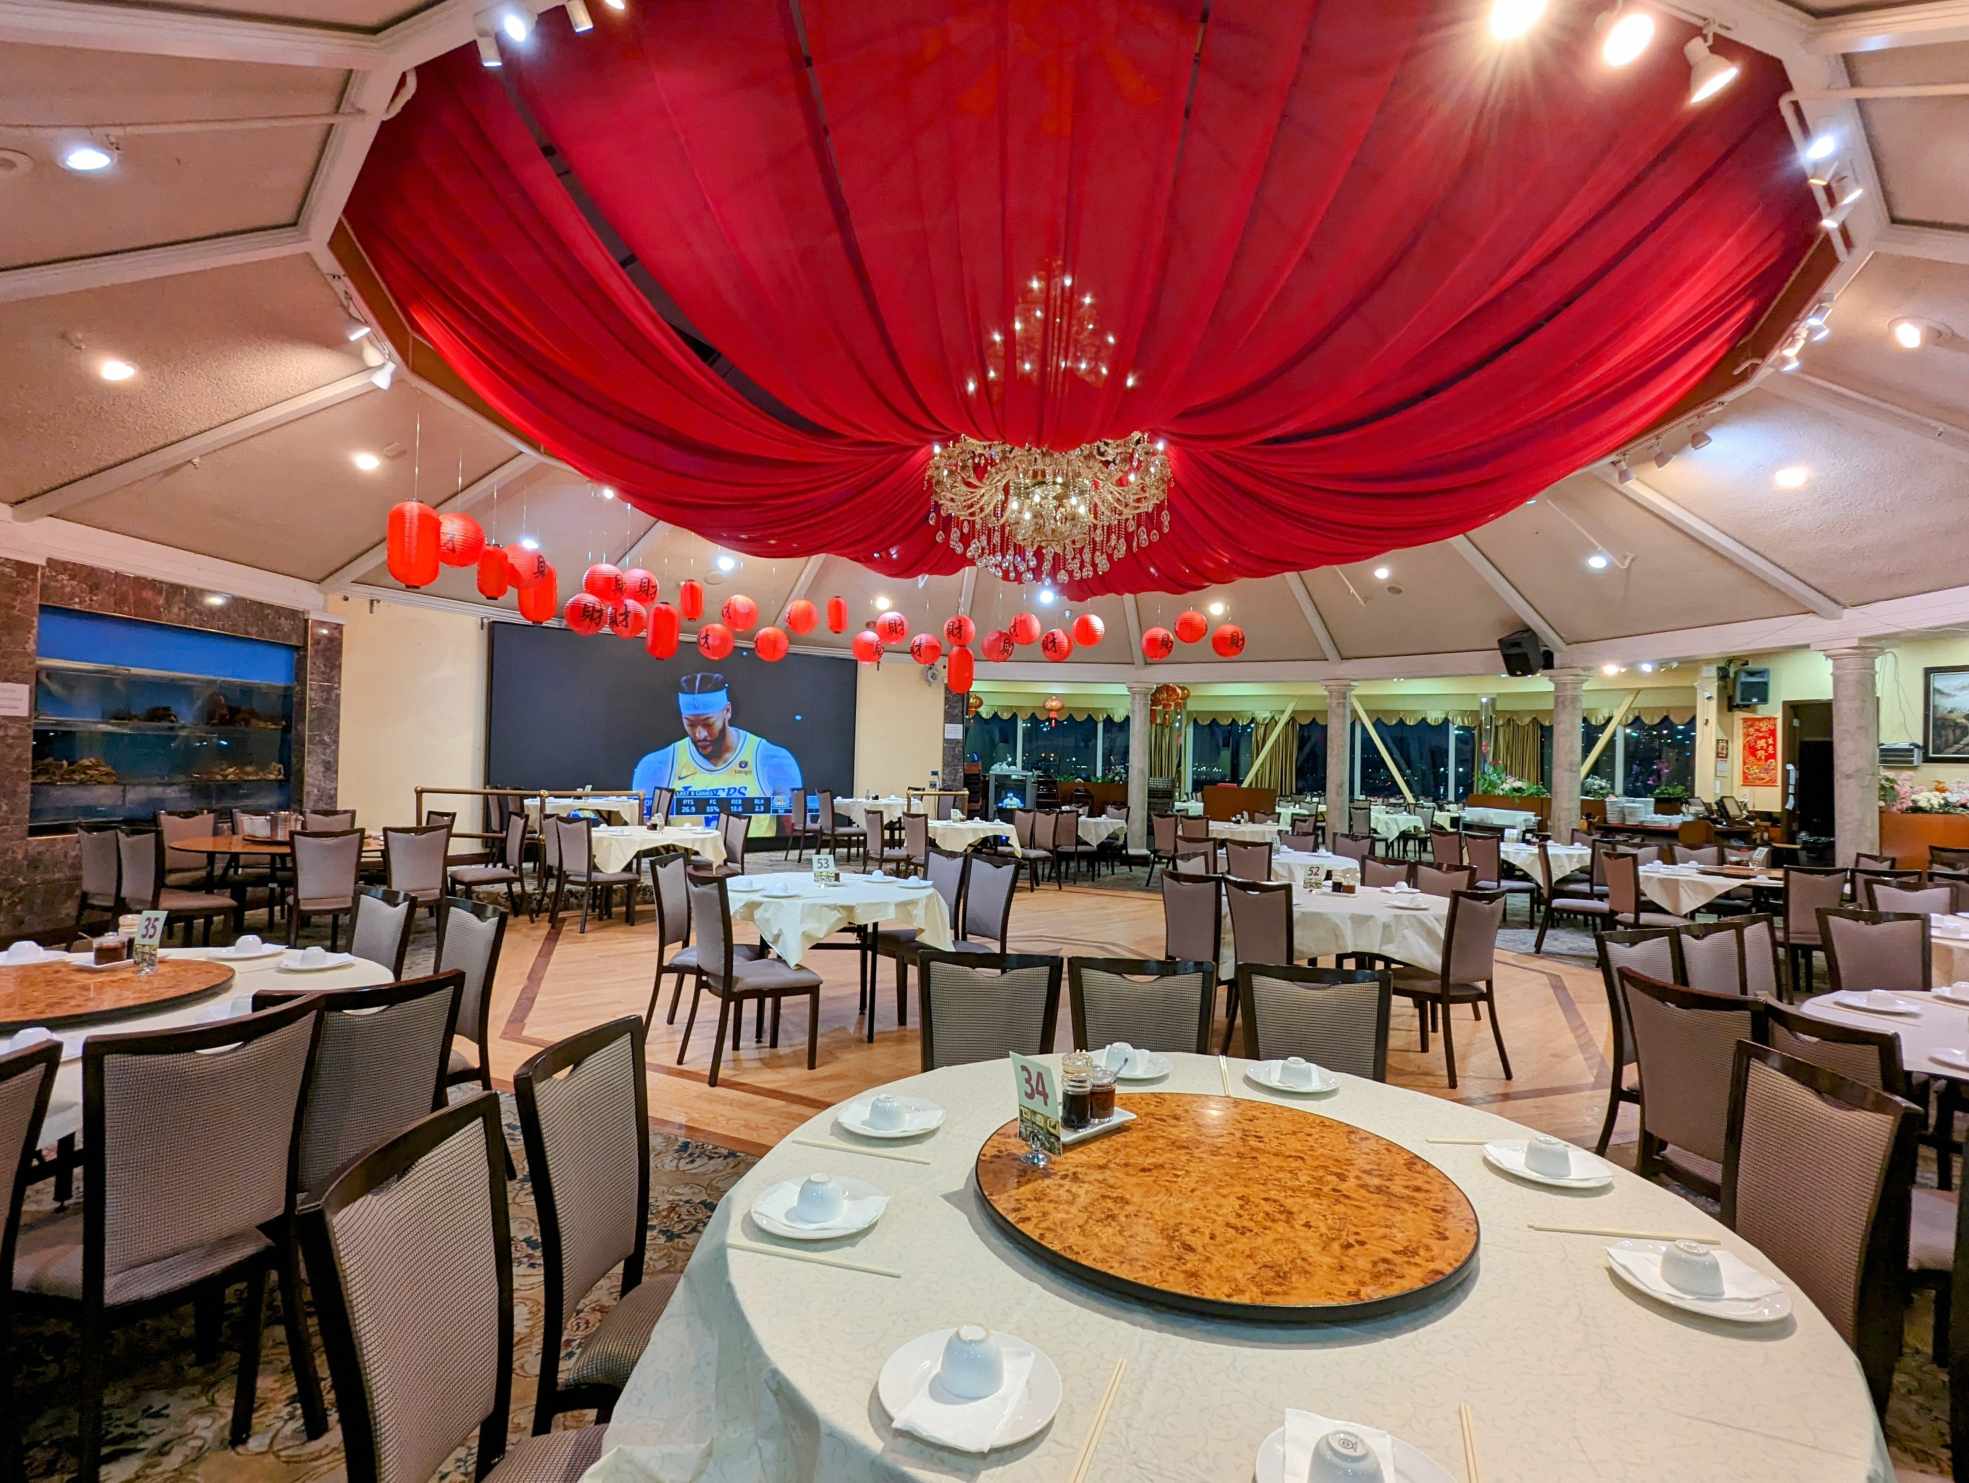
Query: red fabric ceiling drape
{"type": "Point", "coordinates": [1376, 278]}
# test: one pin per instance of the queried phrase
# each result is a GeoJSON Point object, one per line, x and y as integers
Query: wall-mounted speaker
{"type": "Point", "coordinates": [1523, 654]}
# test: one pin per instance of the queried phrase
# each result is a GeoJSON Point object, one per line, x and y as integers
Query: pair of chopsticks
{"type": "Point", "coordinates": [1224, 1072]}
{"type": "Point", "coordinates": [1625, 1234]}
{"type": "Point", "coordinates": [1471, 1472]}
{"type": "Point", "coordinates": [820, 1258]}
{"type": "Point", "coordinates": [1100, 1420]}
{"type": "Point", "coordinates": [868, 1153]}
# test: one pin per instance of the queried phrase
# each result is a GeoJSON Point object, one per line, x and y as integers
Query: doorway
{"type": "Point", "coordinates": [1808, 767]}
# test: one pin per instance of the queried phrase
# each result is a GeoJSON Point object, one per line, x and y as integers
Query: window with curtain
{"type": "Point", "coordinates": [1420, 750]}
{"type": "Point", "coordinates": [1062, 748]}
{"type": "Point", "coordinates": [1114, 751]}
{"type": "Point", "coordinates": [1220, 752]}
{"type": "Point", "coordinates": [1311, 760]}
{"type": "Point", "coordinates": [990, 740]}
{"type": "Point", "coordinates": [1657, 754]}
{"type": "Point", "coordinates": [1589, 737]}
{"type": "Point", "coordinates": [1466, 763]}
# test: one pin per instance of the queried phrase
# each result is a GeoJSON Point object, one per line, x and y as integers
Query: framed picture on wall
{"type": "Point", "coordinates": [1945, 712]}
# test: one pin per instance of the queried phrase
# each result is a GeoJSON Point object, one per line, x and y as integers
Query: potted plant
{"type": "Point", "coordinates": [1670, 798]}
{"type": "Point", "coordinates": [1915, 815]}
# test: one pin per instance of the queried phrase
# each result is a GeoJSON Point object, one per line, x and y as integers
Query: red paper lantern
{"type": "Point", "coordinates": [957, 677]}
{"type": "Point", "coordinates": [801, 615]}
{"type": "Point", "coordinates": [837, 615]}
{"type": "Point", "coordinates": [664, 626]}
{"type": "Point", "coordinates": [997, 646]}
{"type": "Point", "coordinates": [925, 649]}
{"type": "Point", "coordinates": [1053, 707]}
{"type": "Point", "coordinates": [585, 613]}
{"type": "Point", "coordinates": [541, 601]}
{"type": "Point", "coordinates": [640, 585]}
{"type": "Point", "coordinates": [1191, 626]}
{"type": "Point", "coordinates": [460, 540]}
{"type": "Point", "coordinates": [690, 599]}
{"type": "Point", "coordinates": [605, 581]}
{"type": "Point", "coordinates": [770, 645]}
{"type": "Point", "coordinates": [959, 631]}
{"type": "Point", "coordinates": [892, 628]}
{"type": "Point", "coordinates": [1024, 629]}
{"type": "Point", "coordinates": [413, 543]}
{"type": "Point", "coordinates": [528, 567]}
{"type": "Point", "coordinates": [740, 612]}
{"type": "Point", "coordinates": [1228, 641]}
{"type": "Point", "coordinates": [1158, 643]}
{"type": "Point", "coordinates": [714, 641]}
{"type": "Point", "coordinates": [1056, 644]}
{"type": "Point", "coordinates": [495, 573]}
{"type": "Point", "coordinates": [1088, 630]}
{"type": "Point", "coordinates": [867, 647]}
{"type": "Point", "coordinates": [628, 619]}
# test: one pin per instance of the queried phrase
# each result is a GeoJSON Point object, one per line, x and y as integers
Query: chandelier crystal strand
{"type": "Point", "coordinates": [1037, 515]}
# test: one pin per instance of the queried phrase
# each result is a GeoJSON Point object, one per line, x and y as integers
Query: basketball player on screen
{"type": "Point", "coordinates": [716, 761]}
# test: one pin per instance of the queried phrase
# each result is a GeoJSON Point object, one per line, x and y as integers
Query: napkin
{"type": "Point", "coordinates": [1303, 1430]}
{"type": "Point", "coordinates": [1740, 1279]}
{"type": "Point", "coordinates": [970, 1426]}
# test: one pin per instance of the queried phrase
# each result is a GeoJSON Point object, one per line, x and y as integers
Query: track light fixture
{"type": "Point", "coordinates": [1699, 440]}
{"type": "Point", "coordinates": [357, 328]}
{"type": "Point", "coordinates": [516, 21]}
{"type": "Point", "coordinates": [1624, 34]}
{"type": "Point", "coordinates": [1621, 472]}
{"type": "Point", "coordinates": [1663, 456]}
{"type": "Point", "coordinates": [1510, 19]}
{"type": "Point", "coordinates": [381, 377]}
{"type": "Point", "coordinates": [1709, 74]}
{"type": "Point", "coordinates": [578, 17]}
{"type": "Point", "coordinates": [488, 50]}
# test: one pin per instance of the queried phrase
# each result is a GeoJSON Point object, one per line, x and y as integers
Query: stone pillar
{"type": "Point", "coordinates": [1855, 752]}
{"type": "Point", "coordinates": [956, 711]}
{"type": "Point", "coordinates": [1138, 767]}
{"type": "Point", "coordinates": [1711, 777]}
{"type": "Point", "coordinates": [1339, 755]}
{"type": "Point", "coordinates": [1567, 685]}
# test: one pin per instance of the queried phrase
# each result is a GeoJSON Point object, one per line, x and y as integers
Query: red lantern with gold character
{"type": "Point", "coordinates": [460, 540]}
{"type": "Point", "coordinates": [1056, 644]}
{"type": "Point", "coordinates": [640, 586]}
{"type": "Point", "coordinates": [1158, 643]}
{"type": "Point", "coordinates": [528, 567]}
{"type": "Point", "coordinates": [1024, 629]}
{"type": "Point", "coordinates": [770, 644]}
{"type": "Point", "coordinates": [739, 612]}
{"type": "Point", "coordinates": [925, 649]}
{"type": "Point", "coordinates": [1088, 630]}
{"type": "Point", "coordinates": [800, 616]}
{"type": "Point", "coordinates": [1228, 641]}
{"type": "Point", "coordinates": [1053, 707]}
{"type": "Point", "coordinates": [664, 626]}
{"type": "Point", "coordinates": [837, 615]}
{"type": "Point", "coordinates": [892, 628]}
{"type": "Point", "coordinates": [960, 671]}
{"type": "Point", "coordinates": [541, 601]}
{"type": "Point", "coordinates": [604, 581]}
{"type": "Point", "coordinates": [974, 704]}
{"type": "Point", "coordinates": [585, 613]}
{"type": "Point", "coordinates": [1191, 626]}
{"type": "Point", "coordinates": [495, 574]}
{"type": "Point", "coordinates": [1166, 703]}
{"type": "Point", "coordinates": [867, 647]}
{"type": "Point", "coordinates": [628, 619]}
{"type": "Point", "coordinates": [997, 646]}
{"type": "Point", "coordinates": [714, 641]}
{"type": "Point", "coordinates": [690, 599]}
{"type": "Point", "coordinates": [959, 631]}
{"type": "Point", "coordinates": [412, 546]}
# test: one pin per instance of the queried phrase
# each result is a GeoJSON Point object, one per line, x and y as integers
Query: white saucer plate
{"type": "Point", "coordinates": [1409, 903]}
{"type": "Point", "coordinates": [89, 965]}
{"type": "Point", "coordinates": [1266, 1075]}
{"type": "Point", "coordinates": [265, 950]}
{"type": "Point", "coordinates": [1892, 1004]}
{"type": "Point", "coordinates": [905, 1372]}
{"type": "Point", "coordinates": [1121, 1119]}
{"type": "Point", "coordinates": [1509, 1156]}
{"type": "Point", "coordinates": [919, 1117]}
{"type": "Point", "coordinates": [333, 960]}
{"type": "Point", "coordinates": [1412, 1465]}
{"type": "Point", "coordinates": [772, 1211]}
{"type": "Point", "coordinates": [1950, 1055]}
{"type": "Point", "coordinates": [1768, 1309]}
{"type": "Point", "coordinates": [1154, 1068]}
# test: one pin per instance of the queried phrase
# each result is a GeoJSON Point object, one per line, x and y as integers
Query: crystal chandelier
{"type": "Point", "coordinates": [1034, 514]}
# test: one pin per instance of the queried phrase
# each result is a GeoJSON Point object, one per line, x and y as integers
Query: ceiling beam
{"type": "Point", "coordinates": [633, 552]}
{"type": "Point", "coordinates": [1513, 599]}
{"type": "Point", "coordinates": [1727, 547]}
{"type": "Point", "coordinates": [43, 279]}
{"type": "Point", "coordinates": [1939, 244]}
{"type": "Point", "coordinates": [1902, 25]}
{"type": "Point", "coordinates": [801, 583]}
{"type": "Point", "coordinates": [198, 445]}
{"type": "Point", "coordinates": [178, 33]}
{"type": "Point", "coordinates": [967, 590]}
{"type": "Point", "coordinates": [1815, 391]}
{"type": "Point", "coordinates": [1133, 614]}
{"type": "Point", "coordinates": [344, 575]}
{"type": "Point", "coordinates": [1302, 595]}
{"type": "Point", "coordinates": [367, 93]}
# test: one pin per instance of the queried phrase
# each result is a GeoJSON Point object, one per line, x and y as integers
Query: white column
{"type": "Point", "coordinates": [1566, 687]}
{"type": "Point", "coordinates": [1855, 752]}
{"type": "Point", "coordinates": [1138, 768]}
{"type": "Point", "coordinates": [1711, 774]}
{"type": "Point", "coordinates": [1339, 755]}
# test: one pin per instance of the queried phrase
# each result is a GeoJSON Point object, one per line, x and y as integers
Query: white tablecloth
{"type": "Point", "coordinates": [1290, 865]}
{"type": "Point", "coordinates": [1948, 960]}
{"type": "Point", "coordinates": [961, 834]}
{"type": "Point", "coordinates": [620, 807]}
{"type": "Point", "coordinates": [793, 924]}
{"type": "Point", "coordinates": [1328, 923]}
{"type": "Point", "coordinates": [1244, 833]}
{"type": "Point", "coordinates": [617, 845]}
{"type": "Point", "coordinates": [1513, 820]}
{"type": "Point", "coordinates": [1939, 1025]}
{"type": "Point", "coordinates": [1683, 889]}
{"type": "Point", "coordinates": [65, 1104]}
{"type": "Point", "coordinates": [857, 809]}
{"type": "Point", "coordinates": [1566, 858]}
{"type": "Point", "coordinates": [1390, 823]}
{"type": "Point", "coordinates": [763, 1368]}
{"type": "Point", "coordinates": [1098, 831]}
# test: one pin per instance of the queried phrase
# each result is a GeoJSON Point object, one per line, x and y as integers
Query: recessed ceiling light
{"type": "Point", "coordinates": [1646, 668]}
{"type": "Point", "coordinates": [608, 491]}
{"type": "Point", "coordinates": [1821, 147]}
{"type": "Point", "coordinates": [1625, 35]}
{"type": "Point", "coordinates": [1599, 561]}
{"type": "Point", "coordinates": [1216, 610]}
{"type": "Point", "coordinates": [116, 370]}
{"type": "Point", "coordinates": [216, 599]}
{"type": "Point", "coordinates": [1793, 477]}
{"type": "Point", "coordinates": [86, 159]}
{"type": "Point", "coordinates": [1047, 596]}
{"type": "Point", "coordinates": [1907, 334]}
{"type": "Point", "coordinates": [881, 604]}
{"type": "Point", "coordinates": [1609, 669]}
{"type": "Point", "coordinates": [528, 543]}
{"type": "Point", "coordinates": [369, 463]}
{"type": "Point", "coordinates": [1510, 19]}
{"type": "Point", "coordinates": [727, 563]}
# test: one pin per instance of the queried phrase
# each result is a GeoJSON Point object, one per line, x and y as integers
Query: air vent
{"type": "Point", "coordinates": [1900, 754]}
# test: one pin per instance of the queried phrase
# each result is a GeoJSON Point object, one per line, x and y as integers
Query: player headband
{"type": "Point", "coordinates": [704, 703]}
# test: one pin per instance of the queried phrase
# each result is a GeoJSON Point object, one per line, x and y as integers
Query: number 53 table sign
{"type": "Point", "coordinates": [1037, 1087]}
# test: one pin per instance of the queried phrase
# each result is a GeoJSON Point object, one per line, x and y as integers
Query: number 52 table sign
{"type": "Point", "coordinates": [1037, 1087]}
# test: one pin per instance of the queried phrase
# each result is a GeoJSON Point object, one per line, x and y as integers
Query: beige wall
{"type": "Point", "coordinates": [413, 706]}
{"type": "Point", "coordinates": [898, 726]}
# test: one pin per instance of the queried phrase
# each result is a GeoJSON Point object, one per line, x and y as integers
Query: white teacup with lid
{"type": "Point", "coordinates": [973, 1364]}
{"type": "Point", "coordinates": [884, 1112]}
{"type": "Point", "coordinates": [314, 957]}
{"type": "Point", "coordinates": [819, 1200]}
{"type": "Point", "coordinates": [1343, 1456]}
{"type": "Point", "coordinates": [1549, 1156]}
{"type": "Point", "coordinates": [249, 943]}
{"type": "Point", "coordinates": [1295, 1071]}
{"type": "Point", "coordinates": [1691, 1267]}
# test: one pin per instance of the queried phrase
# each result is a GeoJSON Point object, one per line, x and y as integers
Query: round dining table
{"type": "Point", "coordinates": [793, 912]}
{"type": "Point", "coordinates": [1923, 1023]}
{"type": "Point", "coordinates": [765, 1367]}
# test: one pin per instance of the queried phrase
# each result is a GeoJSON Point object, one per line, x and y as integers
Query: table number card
{"type": "Point", "coordinates": [825, 873]}
{"type": "Point", "coordinates": [1037, 1088]}
{"type": "Point", "coordinates": [150, 937]}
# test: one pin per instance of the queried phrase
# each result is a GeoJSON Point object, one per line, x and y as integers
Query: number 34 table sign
{"type": "Point", "coordinates": [1038, 1089]}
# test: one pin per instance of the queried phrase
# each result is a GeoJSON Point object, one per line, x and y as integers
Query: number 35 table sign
{"type": "Point", "coordinates": [1036, 1085]}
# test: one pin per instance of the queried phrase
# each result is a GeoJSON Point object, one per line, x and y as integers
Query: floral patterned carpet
{"type": "Point", "coordinates": [167, 1415]}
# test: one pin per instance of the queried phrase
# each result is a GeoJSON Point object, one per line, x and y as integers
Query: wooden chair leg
{"type": "Point", "coordinates": [300, 1349]}
{"type": "Point", "coordinates": [675, 994]}
{"type": "Point", "coordinates": [1613, 1112]}
{"type": "Point", "coordinates": [207, 1319]}
{"type": "Point", "coordinates": [718, 1045]}
{"type": "Point", "coordinates": [1449, 1044]}
{"type": "Point", "coordinates": [813, 1027]}
{"type": "Point", "coordinates": [1497, 1031]}
{"type": "Point", "coordinates": [251, 1323]}
{"type": "Point", "coordinates": [94, 1376]}
{"type": "Point", "coordinates": [684, 1045]}
{"type": "Point", "coordinates": [772, 1038]}
{"type": "Point", "coordinates": [902, 992]}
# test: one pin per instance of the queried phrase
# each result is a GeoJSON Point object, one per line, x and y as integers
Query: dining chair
{"type": "Point", "coordinates": [1864, 860]}
{"type": "Point", "coordinates": [1467, 974]}
{"type": "Point", "coordinates": [1937, 898]}
{"type": "Point", "coordinates": [734, 979]}
{"type": "Point", "coordinates": [734, 832]}
{"type": "Point", "coordinates": [661, 800]}
{"type": "Point", "coordinates": [470, 935]}
{"type": "Point", "coordinates": [1806, 889]}
{"type": "Point", "coordinates": [1485, 852]}
{"type": "Point", "coordinates": [1626, 905]}
{"type": "Point", "coordinates": [1948, 857]}
{"type": "Point", "coordinates": [419, 1365]}
{"type": "Point", "coordinates": [946, 871]}
{"type": "Point", "coordinates": [1034, 844]}
{"type": "Point", "coordinates": [27, 1080]}
{"type": "Point", "coordinates": [187, 869]}
{"type": "Point", "coordinates": [379, 1067]}
{"type": "Point", "coordinates": [576, 851]}
{"type": "Point", "coordinates": [1648, 950]}
{"type": "Point", "coordinates": [102, 871]}
{"type": "Point", "coordinates": [414, 863]}
{"type": "Point", "coordinates": [1445, 847]}
{"type": "Point", "coordinates": [1248, 861]}
{"type": "Point", "coordinates": [916, 842]}
{"type": "Point", "coordinates": [1360, 818]}
{"type": "Point", "coordinates": [1684, 1041]}
{"type": "Point", "coordinates": [380, 926]}
{"type": "Point", "coordinates": [875, 850]}
{"type": "Point", "coordinates": [1385, 872]}
{"type": "Point", "coordinates": [1870, 1057]}
{"type": "Point", "coordinates": [1594, 910]}
{"type": "Point", "coordinates": [584, 1116]}
{"type": "Point", "coordinates": [1333, 1017]}
{"type": "Point", "coordinates": [510, 869]}
{"type": "Point", "coordinates": [1261, 930]}
{"type": "Point", "coordinates": [982, 1006]}
{"type": "Point", "coordinates": [1162, 846]}
{"type": "Point", "coordinates": [327, 820]}
{"type": "Point", "coordinates": [1816, 1175]}
{"type": "Point", "coordinates": [990, 886]}
{"type": "Point", "coordinates": [1714, 956]}
{"type": "Point", "coordinates": [1875, 949]}
{"type": "Point", "coordinates": [141, 887]}
{"type": "Point", "coordinates": [1148, 1003]}
{"type": "Point", "coordinates": [325, 866]}
{"type": "Point", "coordinates": [1708, 854]}
{"type": "Point", "coordinates": [1200, 856]}
{"type": "Point", "coordinates": [1443, 880]}
{"type": "Point", "coordinates": [190, 1146]}
{"type": "Point", "coordinates": [1192, 916]}
{"type": "Point", "coordinates": [668, 865]}
{"type": "Point", "coordinates": [1192, 827]}
{"type": "Point", "coordinates": [1353, 846]}
{"type": "Point", "coordinates": [1070, 851]}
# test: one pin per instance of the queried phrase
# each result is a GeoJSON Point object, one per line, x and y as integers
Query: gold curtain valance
{"type": "Point", "coordinates": [1681, 715]}
{"type": "Point", "coordinates": [1068, 713]}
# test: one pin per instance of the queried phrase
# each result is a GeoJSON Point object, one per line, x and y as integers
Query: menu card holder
{"type": "Point", "coordinates": [1037, 1088]}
